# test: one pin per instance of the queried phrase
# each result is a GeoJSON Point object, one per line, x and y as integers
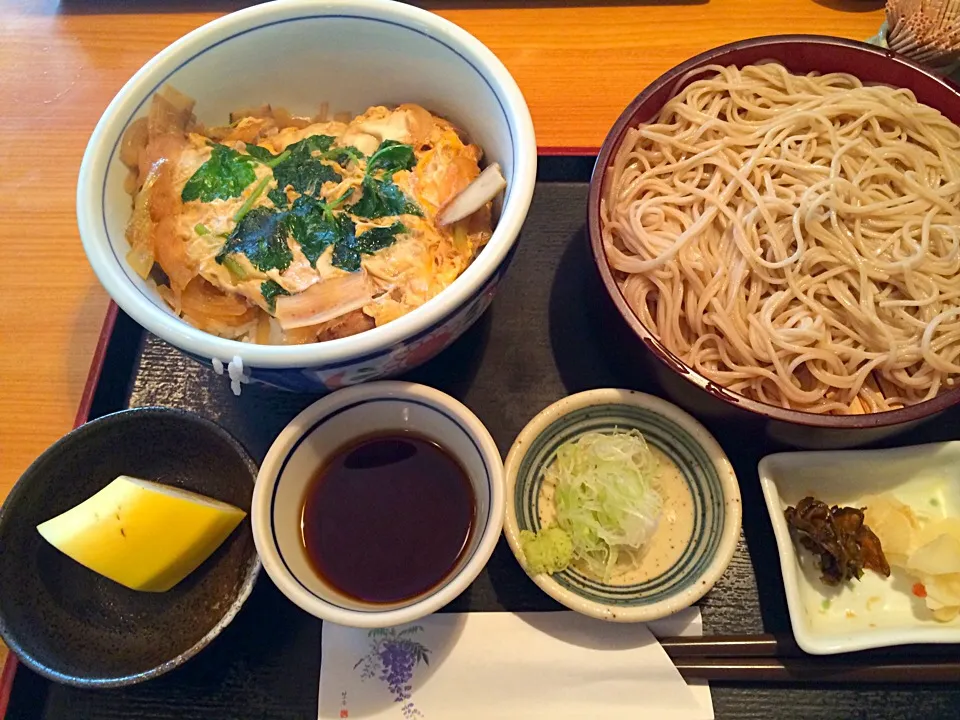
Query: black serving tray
{"type": "Point", "coordinates": [551, 331]}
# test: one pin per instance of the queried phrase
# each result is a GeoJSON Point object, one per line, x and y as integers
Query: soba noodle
{"type": "Point", "coordinates": [795, 239]}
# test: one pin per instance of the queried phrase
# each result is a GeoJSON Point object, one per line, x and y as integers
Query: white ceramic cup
{"type": "Point", "coordinates": [325, 427]}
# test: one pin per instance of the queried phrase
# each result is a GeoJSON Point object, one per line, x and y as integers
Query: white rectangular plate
{"type": "Point", "coordinates": [876, 611]}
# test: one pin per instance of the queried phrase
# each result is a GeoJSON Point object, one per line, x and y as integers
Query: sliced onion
{"type": "Point", "coordinates": [487, 185]}
{"type": "Point", "coordinates": [170, 112]}
{"type": "Point", "coordinates": [131, 181]}
{"type": "Point", "coordinates": [264, 111]}
{"type": "Point", "coordinates": [324, 301]}
{"type": "Point", "coordinates": [344, 326]}
{"type": "Point", "coordinates": [285, 119]}
{"type": "Point", "coordinates": [264, 322]}
{"type": "Point", "coordinates": [201, 299]}
{"type": "Point", "coordinates": [140, 229]}
{"type": "Point", "coordinates": [182, 103]}
{"type": "Point", "coordinates": [247, 130]}
{"type": "Point", "coordinates": [135, 139]}
{"type": "Point", "coordinates": [140, 258]}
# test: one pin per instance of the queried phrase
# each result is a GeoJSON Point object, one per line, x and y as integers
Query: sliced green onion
{"type": "Point", "coordinates": [605, 496]}
{"type": "Point", "coordinates": [201, 229]}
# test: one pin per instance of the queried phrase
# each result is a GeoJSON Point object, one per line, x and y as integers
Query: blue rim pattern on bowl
{"type": "Point", "coordinates": [462, 317]}
{"type": "Point", "coordinates": [681, 448]}
{"type": "Point", "coordinates": [124, 267]}
{"type": "Point", "coordinates": [479, 523]}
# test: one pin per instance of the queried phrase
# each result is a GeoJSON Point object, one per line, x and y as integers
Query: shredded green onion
{"type": "Point", "coordinates": [201, 229]}
{"type": "Point", "coordinates": [605, 497]}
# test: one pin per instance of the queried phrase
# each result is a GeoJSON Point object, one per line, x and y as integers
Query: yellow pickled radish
{"type": "Point", "coordinates": [895, 524]}
{"type": "Point", "coordinates": [142, 534]}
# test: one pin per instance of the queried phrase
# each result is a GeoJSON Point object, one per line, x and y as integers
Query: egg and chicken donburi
{"type": "Point", "coordinates": [278, 229]}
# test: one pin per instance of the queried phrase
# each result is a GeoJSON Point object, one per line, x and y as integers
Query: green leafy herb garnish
{"type": "Point", "coordinates": [261, 154]}
{"type": "Point", "coordinates": [225, 175]}
{"type": "Point", "coordinates": [392, 157]}
{"type": "Point", "coordinates": [345, 154]}
{"type": "Point", "coordinates": [261, 233]}
{"type": "Point", "coordinates": [278, 197]}
{"type": "Point", "coordinates": [378, 238]}
{"type": "Point", "coordinates": [346, 255]}
{"type": "Point", "coordinates": [383, 198]}
{"type": "Point", "coordinates": [320, 143]}
{"type": "Point", "coordinates": [313, 225]}
{"type": "Point", "coordinates": [271, 290]}
{"type": "Point", "coordinates": [324, 145]}
{"type": "Point", "coordinates": [350, 246]}
{"type": "Point", "coordinates": [262, 236]}
{"type": "Point", "coordinates": [304, 172]}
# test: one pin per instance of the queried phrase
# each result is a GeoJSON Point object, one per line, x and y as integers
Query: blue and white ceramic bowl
{"type": "Point", "coordinates": [706, 502]}
{"type": "Point", "coordinates": [325, 427]}
{"type": "Point", "coordinates": [297, 54]}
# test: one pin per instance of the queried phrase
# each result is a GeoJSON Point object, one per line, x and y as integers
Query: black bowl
{"type": "Point", "coordinates": [75, 626]}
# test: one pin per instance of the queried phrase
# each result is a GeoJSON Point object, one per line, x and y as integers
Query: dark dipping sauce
{"type": "Point", "coordinates": [387, 518]}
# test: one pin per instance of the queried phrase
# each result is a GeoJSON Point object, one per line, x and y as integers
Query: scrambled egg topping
{"type": "Point", "coordinates": [349, 241]}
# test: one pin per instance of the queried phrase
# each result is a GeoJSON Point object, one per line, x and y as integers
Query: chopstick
{"type": "Point", "coordinates": [819, 671]}
{"type": "Point", "coordinates": [773, 658]}
{"type": "Point", "coordinates": [782, 646]}
{"type": "Point", "coordinates": [742, 646]}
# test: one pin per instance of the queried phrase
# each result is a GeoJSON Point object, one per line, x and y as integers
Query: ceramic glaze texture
{"type": "Point", "coordinates": [682, 456]}
{"type": "Point", "coordinates": [699, 525]}
{"type": "Point", "coordinates": [875, 611]}
{"type": "Point", "coordinates": [327, 426]}
{"type": "Point", "coordinates": [72, 625]}
{"type": "Point", "coordinates": [385, 53]}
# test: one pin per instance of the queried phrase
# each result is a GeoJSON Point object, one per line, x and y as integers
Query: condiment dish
{"type": "Point", "coordinates": [701, 506]}
{"type": "Point", "coordinates": [77, 627]}
{"type": "Point", "coordinates": [319, 433]}
{"type": "Point", "coordinates": [874, 611]}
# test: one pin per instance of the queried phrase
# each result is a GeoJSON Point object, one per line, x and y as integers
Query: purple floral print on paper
{"type": "Point", "coordinates": [392, 658]}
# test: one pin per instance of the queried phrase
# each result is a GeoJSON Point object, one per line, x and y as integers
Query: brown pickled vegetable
{"type": "Point", "coordinates": [844, 545]}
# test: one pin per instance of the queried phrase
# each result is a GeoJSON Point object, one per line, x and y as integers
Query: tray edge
{"type": "Point", "coordinates": [9, 671]}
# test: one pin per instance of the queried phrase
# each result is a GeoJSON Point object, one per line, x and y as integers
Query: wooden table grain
{"type": "Point", "coordinates": [61, 63]}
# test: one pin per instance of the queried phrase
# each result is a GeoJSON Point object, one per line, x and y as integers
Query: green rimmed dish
{"type": "Point", "coordinates": [701, 518]}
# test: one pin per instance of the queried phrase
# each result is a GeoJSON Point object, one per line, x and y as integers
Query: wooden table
{"type": "Point", "coordinates": [60, 64]}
